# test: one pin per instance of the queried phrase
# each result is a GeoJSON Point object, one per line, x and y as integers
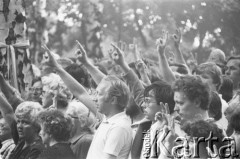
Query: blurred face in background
{"type": "Point", "coordinates": [47, 98]}
{"type": "Point", "coordinates": [36, 91]}
{"type": "Point", "coordinates": [5, 130]}
{"type": "Point", "coordinates": [233, 71]}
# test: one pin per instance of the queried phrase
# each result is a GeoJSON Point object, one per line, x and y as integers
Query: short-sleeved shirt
{"type": "Point", "coordinates": [113, 137]}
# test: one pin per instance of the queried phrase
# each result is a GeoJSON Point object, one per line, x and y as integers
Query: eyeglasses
{"type": "Point", "coordinates": [147, 101]}
{"type": "Point", "coordinates": [38, 89]}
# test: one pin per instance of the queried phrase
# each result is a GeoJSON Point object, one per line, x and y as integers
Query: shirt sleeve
{"type": "Point", "coordinates": [117, 139]}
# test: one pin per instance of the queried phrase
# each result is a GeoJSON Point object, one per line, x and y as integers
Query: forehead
{"type": "Point", "coordinates": [150, 94]}
{"type": "Point", "coordinates": [23, 116]}
{"type": "Point", "coordinates": [37, 84]}
{"type": "Point", "coordinates": [180, 96]}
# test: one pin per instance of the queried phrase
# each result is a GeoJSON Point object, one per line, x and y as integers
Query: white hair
{"type": "Point", "coordinates": [79, 110]}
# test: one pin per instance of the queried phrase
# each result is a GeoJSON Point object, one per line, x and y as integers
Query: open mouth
{"type": "Point", "coordinates": [20, 132]}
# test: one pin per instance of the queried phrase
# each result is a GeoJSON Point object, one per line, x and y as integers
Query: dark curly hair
{"type": "Point", "coordinates": [202, 128]}
{"type": "Point", "coordinates": [56, 124]}
{"type": "Point", "coordinates": [194, 89]}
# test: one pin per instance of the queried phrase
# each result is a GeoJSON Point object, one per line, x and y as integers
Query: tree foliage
{"type": "Point", "coordinates": [205, 24]}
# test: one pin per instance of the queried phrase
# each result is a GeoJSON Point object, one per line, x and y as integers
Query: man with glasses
{"type": "Point", "coordinates": [36, 90]}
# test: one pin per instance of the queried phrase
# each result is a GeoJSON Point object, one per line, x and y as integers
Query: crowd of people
{"type": "Point", "coordinates": [79, 110]}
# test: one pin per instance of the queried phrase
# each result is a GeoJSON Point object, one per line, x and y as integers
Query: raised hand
{"type": "Point", "coordinates": [81, 53]}
{"type": "Point", "coordinates": [117, 55]}
{"type": "Point", "coordinates": [164, 116]}
{"type": "Point", "coordinates": [166, 140]}
{"type": "Point", "coordinates": [134, 48]}
{"type": "Point", "coordinates": [52, 62]}
{"type": "Point", "coordinates": [140, 65]}
{"type": "Point", "coordinates": [162, 42]}
{"type": "Point", "coordinates": [177, 37]}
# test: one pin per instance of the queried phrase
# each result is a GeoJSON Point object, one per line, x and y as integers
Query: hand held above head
{"type": "Point", "coordinates": [177, 37]}
{"type": "Point", "coordinates": [52, 62]}
{"type": "Point", "coordinates": [162, 43]}
{"type": "Point", "coordinates": [117, 55]}
{"type": "Point", "coordinates": [81, 54]}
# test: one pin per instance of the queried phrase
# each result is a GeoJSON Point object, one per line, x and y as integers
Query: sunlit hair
{"type": "Point", "coordinates": [82, 113]}
{"type": "Point", "coordinates": [56, 124]}
{"type": "Point", "coordinates": [118, 89]}
{"type": "Point", "coordinates": [211, 69]}
{"type": "Point", "coordinates": [194, 89]}
{"type": "Point", "coordinates": [29, 110]}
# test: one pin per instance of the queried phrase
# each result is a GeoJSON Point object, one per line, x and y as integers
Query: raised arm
{"type": "Point", "coordinates": [75, 87]}
{"type": "Point", "coordinates": [165, 70]}
{"type": "Point", "coordinates": [130, 77]}
{"type": "Point", "coordinates": [139, 64]}
{"type": "Point", "coordinates": [7, 111]}
{"type": "Point", "coordinates": [179, 56]}
{"type": "Point", "coordinates": [142, 69]}
{"type": "Point", "coordinates": [177, 39]}
{"type": "Point", "coordinates": [96, 74]}
{"type": "Point", "coordinates": [13, 97]}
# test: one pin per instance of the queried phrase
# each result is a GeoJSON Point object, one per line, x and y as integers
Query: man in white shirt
{"type": "Point", "coordinates": [113, 138]}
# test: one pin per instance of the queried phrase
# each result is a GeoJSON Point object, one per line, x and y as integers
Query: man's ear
{"type": "Point", "coordinates": [113, 100]}
{"type": "Point", "coordinates": [197, 103]}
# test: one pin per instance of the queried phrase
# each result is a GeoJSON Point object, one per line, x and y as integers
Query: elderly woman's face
{"type": "Point", "coordinates": [25, 127]}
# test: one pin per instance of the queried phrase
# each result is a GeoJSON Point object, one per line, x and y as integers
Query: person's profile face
{"type": "Point", "coordinates": [185, 108]}
{"type": "Point", "coordinates": [25, 127]}
{"type": "Point", "coordinates": [103, 104]}
{"type": "Point", "coordinates": [233, 71]}
{"type": "Point", "coordinates": [151, 107]}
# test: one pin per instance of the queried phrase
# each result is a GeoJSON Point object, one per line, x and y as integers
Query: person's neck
{"type": "Point", "coordinates": [202, 115]}
{"type": "Point", "coordinates": [76, 134]}
{"type": "Point", "coordinates": [53, 142]}
{"type": "Point", "coordinates": [137, 118]}
{"type": "Point", "coordinates": [6, 138]}
{"type": "Point", "coordinates": [30, 141]}
{"type": "Point", "coordinates": [112, 113]}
